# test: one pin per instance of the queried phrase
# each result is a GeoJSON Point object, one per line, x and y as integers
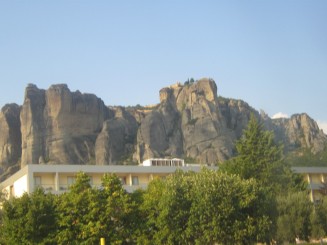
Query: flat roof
{"type": "Point", "coordinates": [310, 170]}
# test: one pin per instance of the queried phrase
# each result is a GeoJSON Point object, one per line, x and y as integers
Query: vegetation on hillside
{"type": "Point", "coordinates": [305, 158]}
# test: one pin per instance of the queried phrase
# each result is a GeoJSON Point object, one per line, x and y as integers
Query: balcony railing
{"type": "Point", "coordinates": [45, 187]}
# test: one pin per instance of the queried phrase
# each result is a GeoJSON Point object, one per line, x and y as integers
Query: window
{"type": "Point", "coordinates": [123, 180]}
{"type": "Point", "coordinates": [37, 181]}
{"type": "Point", "coordinates": [135, 180]}
{"type": "Point", "coordinates": [71, 180]}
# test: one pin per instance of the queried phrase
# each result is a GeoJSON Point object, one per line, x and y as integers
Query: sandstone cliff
{"type": "Point", "coordinates": [57, 126]}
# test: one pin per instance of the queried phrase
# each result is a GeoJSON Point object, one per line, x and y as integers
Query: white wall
{"type": "Point", "coordinates": [20, 186]}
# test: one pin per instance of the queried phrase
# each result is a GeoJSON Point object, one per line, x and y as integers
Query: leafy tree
{"type": "Point", "coordinates": [119, 214]}
{"type": "Point", "coordinates": [293, 221]}
{"type": "Point", "coordinates": [2, 199]}
{"type": "Point", "coordinates": [205, 208]}
{"type": "Point", "coordinates": [87, 214]}
{"type": "Point", "coordinates": [319, 219]}
{"type": "Point", "coordinates": [29, 219]}
{"type": "Point", "coordinates": [151, 210]}
{"type": "Point", "coordinates": [228, 210]}
{"type": "Point", "coordinates": [74, 209]}
{"type": "Point", "coordinates": [260, 158]}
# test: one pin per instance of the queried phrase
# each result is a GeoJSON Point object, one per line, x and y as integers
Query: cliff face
{"type": "Point", "coordinates": [300, 131]}
{"type": "Point", "coordinates": [32, 125]}
{"type": "Point", "coordinates": [116, 140]}
{"type": "Point", "coordinates": [57, 126]}
{"type": "Point", "coordinates": [188, 123]}
{"type": "Point", "coordinates": [10, 140]}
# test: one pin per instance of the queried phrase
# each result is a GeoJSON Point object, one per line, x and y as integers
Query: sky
{"type": "Point", "coordinates": [271, 54]}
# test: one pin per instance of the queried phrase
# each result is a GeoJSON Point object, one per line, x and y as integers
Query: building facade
{"type": "Point", "coordinates": [316, 177]}
{"type": "Point", "coordinates": [58, 178]}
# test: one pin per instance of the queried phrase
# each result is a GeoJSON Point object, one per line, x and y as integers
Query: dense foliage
{"type": "Point", "coordinates": [305, 158]}
{"type": "Point", "coordinates": [260, 158]}
{"type": "Point", "coordinates": [205, 208]}
{"type": "Point", "coordinates": [254, 197]}
{"type": "Point", "coordinates": [29, 219]}
{"type": "Point", "coordinates": [185, 208]}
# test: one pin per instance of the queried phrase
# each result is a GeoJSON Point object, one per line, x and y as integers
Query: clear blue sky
{"type": "Point", "coordinates": [272, 54]}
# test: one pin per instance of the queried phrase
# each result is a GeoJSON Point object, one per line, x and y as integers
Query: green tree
{"type": "Point", "coordinates": [205, 208]}
{"type": "Point", "coordinates": [29, 219]}
{"type": "Point", "coordinates": [259, 157]}
{"type": "Point", "coordinates": [75, 212]}
{"type": "Point", "coordinates": [319, 219]}
{"type": "Point", "coordinates": [86, 214]}
{"type": "Point", "coordinates": [2, 200]}
{"type": "Point", "coordinates": [150, 209]}
{"type": "Point", "coordinates": [294, 211]}
{"type": "Point", "coordinates": [228, 210]}
{"type": "Point", "coordinates": [119, 216]}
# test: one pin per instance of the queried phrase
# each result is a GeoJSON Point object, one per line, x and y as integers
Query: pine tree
{"type": "Point", "coordinates": [259, 157]}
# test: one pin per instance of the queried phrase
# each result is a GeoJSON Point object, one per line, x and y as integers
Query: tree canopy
{"type": "Point", "coordinates": [206, 208]}
{"type": "Point", "coordinates": [29, 219]}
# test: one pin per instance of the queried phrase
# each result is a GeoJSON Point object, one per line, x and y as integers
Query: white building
{"type": "Point", "coordinates": [57, 178]}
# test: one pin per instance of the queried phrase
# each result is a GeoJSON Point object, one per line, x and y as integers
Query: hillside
{"type": "Point", "coordinates": [58, 126]}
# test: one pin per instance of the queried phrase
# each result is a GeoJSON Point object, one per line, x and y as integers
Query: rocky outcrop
{"type": "Point", "coordinates": [115, 143]}
{"type": "Point", "coordinates": [33, 128]}
{"type": "Point", "coordinates": [10, 140]}
{"type": "Point", "coordinates": [299, 131]}
{"type": "Point", "coordinates": [57, 126]}
{"type": "Point", "coordinates": [188, 124]}
{"type": "Point", "coordinates": [236, 114]}
{"type": "Point", "coordinates": [60, 126]}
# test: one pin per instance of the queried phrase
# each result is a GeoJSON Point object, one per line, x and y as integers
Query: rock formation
{"type": "Point", "coordinates": [60, 126]}
{"type": "Point", "coordinates": [57, 126]}
{"type": "Point", "coordinates": [187, 124]}
{"type": "Point", "coordinates": [116, 140]}
{"type": "Point", "coordinates": [299, 131]}
{"type": "Point", "coordinates": [10, 140]}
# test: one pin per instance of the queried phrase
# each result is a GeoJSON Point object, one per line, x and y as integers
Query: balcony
{"type": "Point", "coordinates": [46, 188]}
